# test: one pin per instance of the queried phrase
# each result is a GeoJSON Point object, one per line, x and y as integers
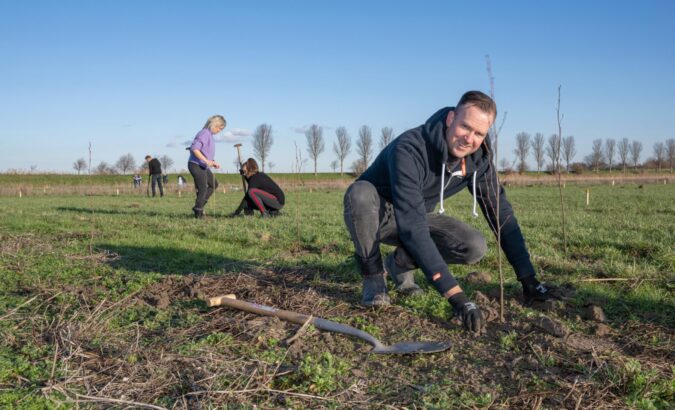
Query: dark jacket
{"type": "Point", "coordinates": [155, 167]}
{"type": "Point", "coordinates": [263, 182]}
{"type": "Point", "coordinates": [407, 173]}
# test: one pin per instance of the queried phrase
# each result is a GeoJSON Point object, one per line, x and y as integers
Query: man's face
{"type": "Point", "coordinates": [467, 128]}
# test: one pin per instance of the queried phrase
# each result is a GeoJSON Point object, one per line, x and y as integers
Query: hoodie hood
{"type": "Point", "coordinates": [433, 133]}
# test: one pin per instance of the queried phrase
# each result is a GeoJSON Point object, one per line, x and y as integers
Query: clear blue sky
{"type": "Point", "coordinates": [141, 77]}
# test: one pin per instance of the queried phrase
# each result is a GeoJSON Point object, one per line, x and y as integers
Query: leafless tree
{"type": "Point", "coordinates": [568, 150]}
{"type": "Point", "coordinates": [262, 143]}
{"type": "Point", "coordinates": [166, 162]}
{"type": "Point", "coordinates": [522, 150]}
{"type": "Point", "coordinates": [334, 164]}
{"type": "Point", "coordinates": [659, 154]}
{"type": "Point", "coordinates": [610, 148]}
{"type": "Point", "coordinates": [271, 165]}
{"type": "Point", "coordinates": [315, 143]}
{"type": "Point", "coordinates": [386, 137]}
{"type": "Point", "coordinates": [506, 165]}
{"type": "Point", "coordinates": [358, 167]}
{"type": "Point", "coordinates": [538, 150]}
{"type": "Point", "coordinates": [103, 168]}
{"type": "Point", "coordinates": [79, 165]}
{"type": "Point", "coordinates": [342, 147]}
{"type": "Point", "coordinates": [596, 155]}
{"type": "Point", "coordinates": [670, 152]}
{"type": "Point", "coordinates": [635, 151]}
{"type": "Point", "coordinates": [624, 149]}
{"type": "Point", "coordinates": [125, 163]}
{"type": "Point", "coordinates": [364, 146]}
{"type": "Point", "coordinates": [553, 151]}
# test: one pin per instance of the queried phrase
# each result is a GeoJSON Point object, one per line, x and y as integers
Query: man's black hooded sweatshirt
{"type": "Point", "coordinates": [407, 173]}
{"type": "Point", "coordinates": [155, 167]}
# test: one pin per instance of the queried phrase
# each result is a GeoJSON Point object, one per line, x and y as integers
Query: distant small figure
{"type": "Point", "coordinates": [155, 170]}
{"type": "Point", "coordinates": [137, 181]}
{"type": "Point", "coordinates": [181, 181]}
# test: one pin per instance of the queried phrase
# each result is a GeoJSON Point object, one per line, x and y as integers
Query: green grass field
{"type": "Point", "coordinates": [100, 301]}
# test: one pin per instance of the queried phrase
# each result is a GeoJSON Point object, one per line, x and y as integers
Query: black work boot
{"type": "Point", "coordinates": [534, 291]}
{"type": "Point", "coordinates": [403, 278]}
{"type": "Point", "coordinates": [375, 291]}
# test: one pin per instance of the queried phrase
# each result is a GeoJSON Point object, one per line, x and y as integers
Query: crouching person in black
{"type": "Point", "coordinates": [262, 193]}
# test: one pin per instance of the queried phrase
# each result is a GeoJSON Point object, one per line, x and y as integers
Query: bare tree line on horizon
{"type": "Point", "coordinates": [602, 156]}
{"type": "Point", "coordinates": [125, 164]}
{"type": "Point", "coordinates": [548, 153]}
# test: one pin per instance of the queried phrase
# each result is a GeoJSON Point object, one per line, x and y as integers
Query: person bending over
{"type": "Point", "coordinates": [393, 202]}
{"type": "Point", "coordinates": [155, 171]}
{"type": "Point", "coordinates": [262, 193]}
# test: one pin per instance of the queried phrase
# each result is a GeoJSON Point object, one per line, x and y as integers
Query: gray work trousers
{"type": "Point", "coordinates": [370, 221]}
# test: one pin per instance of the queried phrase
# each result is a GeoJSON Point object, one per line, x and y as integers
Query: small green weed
{"type": "Point", "coordinates": [362, 323]}
{"type": "Point", "coordinates": [642, 388]}
{"type": "Point", "coordinates": [319, 373]}
{"type": "Point", "coordinates": [508, 341]}
{"type": "Point", "coordinates": [444, 396]}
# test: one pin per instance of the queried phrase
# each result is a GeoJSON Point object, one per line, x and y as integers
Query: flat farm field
{"type": "Point", "coordinates": [102, 305]}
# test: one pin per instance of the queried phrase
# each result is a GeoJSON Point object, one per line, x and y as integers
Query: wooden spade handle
{"type": "Point", "coordinates": [231, 301]}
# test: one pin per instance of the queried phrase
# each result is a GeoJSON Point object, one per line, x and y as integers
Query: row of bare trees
{"type": "Point", "coordinates": [552, 152]}
{"type": "Point", "coordinates": [554, 149]}
{"type": "Point", "coordinates": [126, 163]}
{"type": "Point", "coordinates": [627, 153]}
{"type": "Point", "coordinates": [602, 156]}
{"type": "Point", "coordinates": [316, 145]}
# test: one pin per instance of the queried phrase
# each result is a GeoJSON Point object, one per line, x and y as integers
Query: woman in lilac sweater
{"type": "Point", "coordinates": [202, 154]}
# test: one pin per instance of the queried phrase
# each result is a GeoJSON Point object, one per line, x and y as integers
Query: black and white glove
{"type": "Point", "coordinates": [467, 311]}
{"type": "Point", "coordinates": [533, 291]}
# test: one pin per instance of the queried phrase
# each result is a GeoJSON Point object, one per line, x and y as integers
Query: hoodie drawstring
{"type": "Point", "coordinates": [441, 210]}
{"type": "Point", "coordinates": [474, 213]}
